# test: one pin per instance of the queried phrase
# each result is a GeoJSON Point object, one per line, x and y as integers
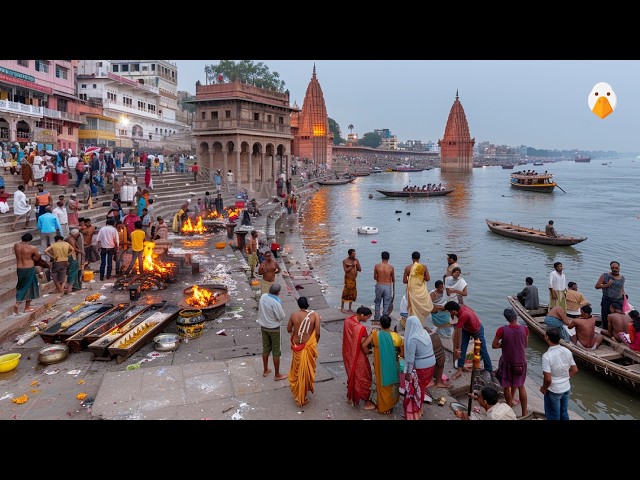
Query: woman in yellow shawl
{"type": "Point", "coordinates": [416, 277]}
{"type": "Point", "coordinates": [386, 346]}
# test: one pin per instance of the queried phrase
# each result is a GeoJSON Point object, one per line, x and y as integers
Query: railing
{"type": "Point", "coordinates": [20, 108]}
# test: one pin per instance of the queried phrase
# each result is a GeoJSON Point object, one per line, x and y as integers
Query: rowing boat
{"type": "Point", "coordinates": [338, 181]}
{"type": "Point", "coordinates": [418, 193]}
{"type": "Point", "coordinates": [530, 234]}
{"type": "Point", "coordinates": [611, 361]}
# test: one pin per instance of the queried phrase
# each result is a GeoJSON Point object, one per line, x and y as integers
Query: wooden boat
{"type": "Point", "coordinates": [335, 181]}
{"type": "Point", "coordinates": [52, 333]}
{"type": "Point", "coordinates": [538, 164]}
{"type": "Point", "coordinates": [368, 230]}
{"type": "Point", "coordinates": [530, 234]}
{"type": "Point", "coordinates": [361, 173]}
{"type": "Point", "coordinates": [406, 168]}
{"type": "Point", "coordinates": [77, 341]}
{"type": "Point", "coordinates": [419, 193]}
{"type": "Point", "coordinates": [582, 159]}
{"type": "Point", "coordinates": [143, 333]}
{"type": "Point", "coordinates": [611, 361]}
{"type": "Point", "coordinates": [542, 182]}
{"type": "Point", "coordinates": [508, 167]}
{"type": "Point", "coordinates": [99, 346]}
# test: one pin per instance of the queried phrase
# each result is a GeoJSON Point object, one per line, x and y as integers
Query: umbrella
{"type": "Point", "coordinates": [52, 152]}
{"type": "Point", "coordinates": [89, 150]}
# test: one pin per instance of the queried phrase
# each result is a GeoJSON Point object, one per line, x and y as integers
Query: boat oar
{"type": "Point", "coordinates": [560, 187]}
{"type": "Point", "coordinates": [476, 371]}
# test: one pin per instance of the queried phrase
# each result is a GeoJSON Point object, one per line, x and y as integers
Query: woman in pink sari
{"type": "Point", "coordinates": [356, 362]}
{"type": "Point", "coordinates": [419, 364]}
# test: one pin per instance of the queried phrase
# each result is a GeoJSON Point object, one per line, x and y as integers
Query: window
{"type": "Point", "coordinates": [269, 118]}
{"type": "Point", "coordinates": [69, 130]}
{"type": "Point", "coordinates": [83, 96]}
{"type": "Point", "coordinates": [204, 115]}
{"type": "Point", "coordinates": [61, 72]}
{"type": "Point", "coordinates": [125, 68]}
{"type": "Point", "coordinates": [281, 120]}
{"type": "Point", "coordinates": [128, 102]}
{"type": "Point", "coordinates": [256, 117]}
{"type": "Point", "coordinates": [150, 137]}
{"type": "Point", "coordinates": [145, 68]}
{"type": "Point", "coordinates": [227, 114]}
{"type": "Point", "coordinates": [214, 115]}
{"type": "Point", "coordinates": [83, 85]}
{"type": "Point", "coordinates": [62, 105]}
{"type": "Point", "coordinates": [135, 67]}
{"type": "Point", "coordinates": [95, 86]}
{"type": "Point", "coordinates": [112, 96]}
{"type": "Point", "coordinates": [116, 68]}
{"type": "Point", "coordinates": [42, 66]}
{"type": "Point", "coordinates": [23, 63]}
{"type": "Point", "coordinates": [156, 129]}
{"type": "Point", "coordinates": [153, 67]}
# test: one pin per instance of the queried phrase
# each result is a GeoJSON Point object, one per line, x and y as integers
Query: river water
{"type": "Point", "coordinates": [600, 203]}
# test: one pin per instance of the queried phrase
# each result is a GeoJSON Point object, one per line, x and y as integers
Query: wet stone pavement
{"type": "Point", "coordinates": [215, 376]}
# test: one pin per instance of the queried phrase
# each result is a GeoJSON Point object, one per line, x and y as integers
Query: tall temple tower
{"type": "Point", "coordinates": [456, 147]}
{"type": "Point", "coordinates": [312, 138]}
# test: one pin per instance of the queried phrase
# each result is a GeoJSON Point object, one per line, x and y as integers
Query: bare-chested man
{"type": "Point", "coordinates": [351, 267]}
{"type": "Point", "coordinates": [268, 269]}
{"type": "Point", "coordinates": [27, 288]}
{"type": "Point", "coordinates": [617, 320]}
{"type": "Point", "coordinates": [304, 327]}
{"type": "Point", "coordinates": [384, 275]}
{"type": "Point", "coordinates": [252, 251]}
{"type": "Point", "coordinates": [585, 326]}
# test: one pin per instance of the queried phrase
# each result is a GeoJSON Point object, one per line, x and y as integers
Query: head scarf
{"type": "Point", "coordinates": [414, 329]}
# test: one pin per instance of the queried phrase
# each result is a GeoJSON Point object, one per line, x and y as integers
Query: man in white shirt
{"type": "Point", "coordinates": [108, 241]}
{"type": "Point", "coordinates": [557, 287]}
{"type": "Point", "coordinates": [21, 208]}
{"type": "Point", "coordinates": [488, 399]}
{"type": "Point", "coordinates": [72, 161]}
{"type": "Point", "coordinates": [161, 161]}
{"type": "Point", "coordinates": [558, 366]}
{"type": "Point", "coordinates": [61, 212]}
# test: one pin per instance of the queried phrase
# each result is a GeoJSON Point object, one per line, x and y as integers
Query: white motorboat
{"type": "Point", "coordinates": [367, 230]}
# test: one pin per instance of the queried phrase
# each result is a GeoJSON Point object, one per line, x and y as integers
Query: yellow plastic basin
{"type": "Point", "coordinates": [9, 361]}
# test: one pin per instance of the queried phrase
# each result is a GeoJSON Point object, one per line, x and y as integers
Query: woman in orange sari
{"type": "Point", "coordinates": [355, 360]}
{"type": "Point", "coordinates": [385, 345]}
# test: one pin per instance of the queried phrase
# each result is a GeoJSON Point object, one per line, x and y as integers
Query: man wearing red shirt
{"type": "Point", "coordinates": [466, 326]}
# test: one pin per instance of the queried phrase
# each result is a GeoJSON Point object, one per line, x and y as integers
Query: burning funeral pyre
{"type": "Point", "coordinates": [156, 275]}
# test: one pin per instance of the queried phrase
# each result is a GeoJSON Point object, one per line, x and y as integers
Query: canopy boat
{"type": "Point", "coordinates": [611, 361]}
{"type": "Point", "coordinates": [538, 164]}
{"type": "Point", "coordinates": [417, 193]}
{"type": "Point", "coordinates": [541, 182]}
{"type": "Point", "coordinates": [368, 230]}
{"type": "Point", "coordinates": [530, 234]}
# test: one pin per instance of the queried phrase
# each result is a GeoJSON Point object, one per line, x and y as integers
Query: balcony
{"type": "Point", "coordinates": [70, 117]}
{"type": "Point", "coordinates": [21, 108]}
{"type": "Point", "coordinates": [202, 126]}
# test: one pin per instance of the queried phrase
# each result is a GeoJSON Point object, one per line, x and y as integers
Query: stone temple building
{"type": "Point", "coordinates": [310, 127]}
{"type": "Point", "coordinates": [456, 147]}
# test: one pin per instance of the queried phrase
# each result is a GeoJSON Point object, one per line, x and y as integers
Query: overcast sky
{"type": "Point", "coordinates": [537, 103]}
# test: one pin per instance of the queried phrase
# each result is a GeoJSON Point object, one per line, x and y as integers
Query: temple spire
{"type": "Point", "coordinates": [314, 71]}
{"type": "Point", "coordinates": [456, 94]}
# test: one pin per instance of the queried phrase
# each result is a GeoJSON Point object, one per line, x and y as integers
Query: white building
{"type": "Point", "coordinates": [140, 96]}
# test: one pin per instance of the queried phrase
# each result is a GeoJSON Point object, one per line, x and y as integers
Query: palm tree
{"type": "Point", "coordinates": [350, 127]}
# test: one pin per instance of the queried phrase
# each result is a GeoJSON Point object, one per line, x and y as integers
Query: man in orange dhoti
{"type": "Point", "coordinates": [304, 327]}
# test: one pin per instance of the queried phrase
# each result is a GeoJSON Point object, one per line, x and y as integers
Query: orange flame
{"type": "Point", "coordinates": [189, 227]}
{"type": "Point", "coordinates": [200, 297]}
{"type": "Point", "coordinates": [149, 260]}
{"type": "Point", "coordinates": [215, 216]}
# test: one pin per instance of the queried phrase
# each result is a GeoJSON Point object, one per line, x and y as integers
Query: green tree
{"type": "Point", "coordinates": [370, 139]}
{"type": "Point", "coordinates": [335, 129]}
{"type": "Point", "coordinates": [246, 71]}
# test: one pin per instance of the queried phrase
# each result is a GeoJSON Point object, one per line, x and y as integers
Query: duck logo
{"type": "Point", "coordinates": [602, 100]}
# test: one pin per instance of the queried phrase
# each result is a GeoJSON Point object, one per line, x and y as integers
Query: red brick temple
{"type": "Point", "coordinates": [310, 127]}
{"type": "Point", "coordinates": [456, 147]}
